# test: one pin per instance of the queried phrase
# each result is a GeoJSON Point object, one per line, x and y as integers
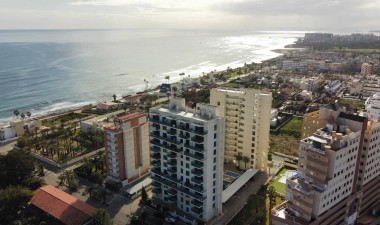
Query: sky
{"type": "Point", "coordinates": [354, 15]}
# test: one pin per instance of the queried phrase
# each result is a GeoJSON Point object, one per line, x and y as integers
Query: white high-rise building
{"type": "Point", "coordinates": [247, 114]}
{"type": "Point", "coordinates": [187, 159]}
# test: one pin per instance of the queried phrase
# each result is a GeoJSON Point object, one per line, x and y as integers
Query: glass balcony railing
{"type": "Point", "coordinates": [196, 148]}
{"type": "Point", "coordinates": [194, 156]}
{"type": "Point", "coordinates": [197, 164]}
{"type": "Point", "coordinates": [197, 204]}
{"type": "Point", "coordinates": [196, 210]}
{"type": "Point", "coordinates": [197, 172]}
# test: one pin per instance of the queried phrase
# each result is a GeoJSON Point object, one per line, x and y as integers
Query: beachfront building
{"type": "Point", "coordinates": [247, 114]}
{"type": "Point", "coordinates": [187, 159]}
{"type": "Point", "coordinates": [17, 128]}
{"type": "Point", "coordinates": [337, 180]}
{"type": "Point", "coordinates": [127, 148]}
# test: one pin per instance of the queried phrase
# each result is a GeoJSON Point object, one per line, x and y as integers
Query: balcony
{"type": "Point", "coordinates": [157, 191]}
{"type": "Point", "coordinates": [173, 141]}
{"type": "Point", "coordinates": [163, 122]}
{"type": "Point", "coordinates": [172, 170]}
{"type": "Point", "coordinates": [156, 170]}
{"type": "Point", "coordinates": [193, 195]}
{"type": "Point", "coordinates": [197, 187]}
{"type": "Point", "coordinates": [155, 149]}
{"type": "Point", "coordinates": [185, 136]}
{"type": "Point", "coordinates": [195, 156]}
{"type": "Point", "coordinates": [164, 181]}
{"type": "Point", "coordinates": [197, 172]}
{"type": "Point", "coordinates": [197, 204]}
{"type": "Point", "coordinates": [155, 134]}
{"type": "Point", "coordinates": [172, 155]}
{"type": "Point", "coordinates": [197, 139]}
{"type": "Point", "coordinates": [155, 156]}
{"type": "Point", "coordinates": [172, 162]}
{"type": "Point", "coordinates": [197, 164]}
{"type": "Point", "coordinates": [198, 149]}
{"type": "Point", "coordinates": [196, 210]}
{"type": "Point", "coordinates": [155, 163]}
{"type": "Point", "coordinates": [172, 192]}
{"type": "Point", "coordinates": [172, 131]}
{"type": "Point", "coordinates": [197, 180]}
{"type": "Point", "coordinates": [172, 199]}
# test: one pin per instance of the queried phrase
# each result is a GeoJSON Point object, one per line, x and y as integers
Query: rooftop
{"type": "Point", "coordinates": [62, 206]}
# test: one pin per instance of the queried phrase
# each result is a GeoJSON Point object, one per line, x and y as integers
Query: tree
{"type": "Point", "coordinates": [144, 195]}
{"type": "Point", "coordinates": [246, 160]}
{"type": "Point", "coordinates": [29, 114]}
{"type": "Point", "coordinates": [69, 178]}
{"type": "Point", "coordinates": [167, 78]}
{"type": "Point", "coordinates": [16, 113]}
{"type": "Point", "coordinates": [175, 89]}
{"type": "Point", "coordinates": [125, 107]}
{"type": "Point", "coordinates": [272, 197]}
{"type": "Point", "coordinates": [238, 158]}
{"type": "Point", "coordinates": [88, 191]}
{"type": "Point", "coordinates": [22, 115]}
{"type": "Point", "coordinates": [12, 200]}
{"type": "Point", "coordinates": [15, 168]}
{"type": "Point", "coordinates": [114, 97]}
{"type": "Point", "coordinates": [102, 217]}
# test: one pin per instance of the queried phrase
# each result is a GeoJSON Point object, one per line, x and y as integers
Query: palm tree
{"type": "Point", "coordinates": [125, 107]}
{"type": "Point", "coordinates": [69, 178]}
{"type": "Point", "coordinates": [114, 97]}
{"type": "Point", "coordinates": [245, 160]}
{"type": "Point", "coordinates": [16, 112]}
{"type": "Point", "coordinates": [23, 115]}
{"type": "Point", "coordinates": [29, 114]}
{"type": "Point", "coordinates": [238, 158]}
{"type": "Point", "coordinates": [175, 89]}
{"type": "Point", "coordinates": [272, 197]}
{"type": "Point", "coordinates": [88, 191]}
{"type": "Point", "coordinates": [167, 78]}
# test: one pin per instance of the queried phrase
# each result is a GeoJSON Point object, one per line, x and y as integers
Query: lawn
{"type": "Point", "coordinates": [355, 104]}
{"type": "Point", "coordinates": [280, 187]}
{"type": "Point", "coordinates": [364, 51]}
{"type": "Point", "coordinates": [285, 144]}
{"type": "Point", "coordinates": [293, 127]}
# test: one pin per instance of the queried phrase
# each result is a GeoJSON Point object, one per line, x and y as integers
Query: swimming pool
{"type": "Point", "coordinates": [226, 183]}
{"type": "Point", "coordinates": [231, 174]}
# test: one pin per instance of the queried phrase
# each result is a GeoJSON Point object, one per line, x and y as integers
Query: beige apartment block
{"type": "Point", "coordinates": [366, 69]}
{"type": "Point", "coordinates": [337, 180]}
{"type": "Point", "coordinates": [127, 148]}
{"type": "Point", "coordinates": [247, 115]}
{"type": "Point", "coordinates": [312, 121]}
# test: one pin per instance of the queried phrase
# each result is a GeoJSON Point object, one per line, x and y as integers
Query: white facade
{"type": "Point", "coordinates": [247, 114]}
{"type": "Point", "coordinates": [187, 152]}
{"type": "Point", "coordinates": [309, 84]}
{"type": "Point", "coordinates": [356, 87]}
{"type": "Point", "coordinates": [372, 106]}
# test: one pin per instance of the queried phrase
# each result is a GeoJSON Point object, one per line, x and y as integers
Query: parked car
{"type": "Point", "coordinates": [170, 220]}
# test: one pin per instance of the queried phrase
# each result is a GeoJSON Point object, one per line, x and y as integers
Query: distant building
{"type": "Point", "coordinates": [127, 148]}
{"type": "Point", "coordinates": [372, 107]}
{"type": "Point", "coordinates": [187, 160]}
{"type": "Point", "coordinates": [60, 206]}
{"type": "Point", "coordinates": [247, 113]}
{"type": "Point", "coordinates": [356, 87]}
{"type": "Point", "coordinates": [333, 87]}
{"type": "Point", "coordinates": [132, 98]}
{"type": "Point", "coordinates": [17, 128]}
{"type": "Point", "coordinates": [366, 69]}
{"type": "Point", "coordinates": [106, 106]}
{"type": "Point", "coordinates": [318, 37]}
{"type": "Point", "coordinates": [310, 84]}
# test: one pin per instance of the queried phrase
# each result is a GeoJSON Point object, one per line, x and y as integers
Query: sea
{"type": "Point", "coordinates": [46, 71]}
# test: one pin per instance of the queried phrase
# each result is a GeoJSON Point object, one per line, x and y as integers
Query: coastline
{"type": "Point", "coordinates": [58, 112]}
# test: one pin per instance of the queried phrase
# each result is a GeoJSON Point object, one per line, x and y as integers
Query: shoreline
{"type": "Point", "coordinates": [59, 112]}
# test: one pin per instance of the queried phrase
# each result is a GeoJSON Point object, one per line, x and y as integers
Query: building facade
{"type": "Point", "coordinates": [247, 114]}
{"type": "Point", "coordinates": [337, 178]}
{"type": "Point", "coordinates": [127, 148]}
{"type": "Point", "coordinates": [187, 159]}
{"type": "Point", "coordinates": [366, 69]}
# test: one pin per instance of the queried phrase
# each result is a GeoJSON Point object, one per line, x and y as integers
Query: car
{"type": "Point", "coordinates": [170, 220]}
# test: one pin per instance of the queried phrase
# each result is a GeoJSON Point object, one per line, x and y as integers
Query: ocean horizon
{"type": "Point", "coordinates": [47, 71]}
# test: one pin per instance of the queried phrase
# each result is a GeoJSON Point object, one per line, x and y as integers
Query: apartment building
{"type": "Point", "coordinates": [366, 69]}
{"type": "Point", "coordinates": [247, 114]}
{"type": "Point", "coordinates": [310, 84]}
{"type": "Point", "coordinates": [127, 148]}
{"type": "Point", "coordinates": [187, 151]}
{"type": "Point", "coordinates": [337, 179]}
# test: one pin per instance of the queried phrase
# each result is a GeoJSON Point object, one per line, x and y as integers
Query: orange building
{"type": "Point", "coordinates": [127, 148]}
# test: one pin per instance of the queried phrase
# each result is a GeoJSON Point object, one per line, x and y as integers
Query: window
{"type": "Point", "coordinates": [214, 168]}
{"type": "Point", "coordinates": [214, 143]}
{"type": "Point", "coordinates": [215, 136]}
{"type": "Point", "coordinates": [218, 103]}
{"type": "Point", "coordinates": [215, 127]}
{"type": "Point", "coordinates": [215, 160]}
{"type": "Point", "coordinates": [214, 175]}
{"type": "Point", "coordinates": [214, 151]}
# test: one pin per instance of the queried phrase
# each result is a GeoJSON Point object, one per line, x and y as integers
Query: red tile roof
{"type": "Point", "coordinates": [64, 207]}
